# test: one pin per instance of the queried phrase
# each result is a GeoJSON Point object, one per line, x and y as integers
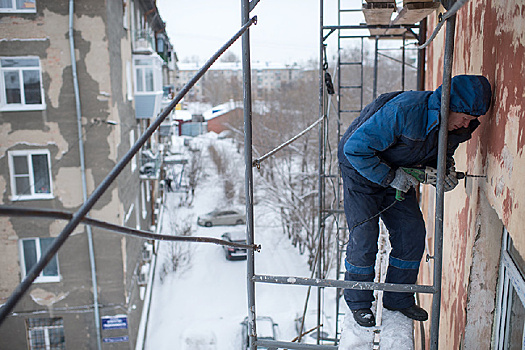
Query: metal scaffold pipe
{"type": "Point", "coordinates": [440, 190]}
{"type": "Point", "coordinates": [247, 100]}
{"type": "Point", "coordinates": [22, 288]}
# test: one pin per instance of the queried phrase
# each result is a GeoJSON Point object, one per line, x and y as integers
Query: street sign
{"type": "Point", "coordinates": [116, 339]}
{"type": "Point", "coordinates": [115, 322]}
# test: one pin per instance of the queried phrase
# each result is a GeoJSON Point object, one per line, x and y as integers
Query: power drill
{"type": "Point", "coordinates": [428, 175]}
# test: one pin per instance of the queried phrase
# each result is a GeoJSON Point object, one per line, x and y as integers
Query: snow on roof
{"type": "Point", "coordinates": [260, 107]}
{"type": "Point", "coordinates": [221, 109]}
{"type": "Point", "coordinates": [183, 115]}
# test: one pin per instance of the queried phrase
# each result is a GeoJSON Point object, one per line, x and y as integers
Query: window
{"type": "Point", "coordinates": [144, 74]}
{"type": "Point", "coordinates": [510, 318]}
{"type": "Point", "coordinates": [21, 82]}
{"type": "Point", "coordinates": [46, 333]}
{"type": "Point", "coordinates": [30, 175]}
{"type": "Point", "coordinates": [17, 6]}
{"type": "Point", "coordinates": [31, 249]}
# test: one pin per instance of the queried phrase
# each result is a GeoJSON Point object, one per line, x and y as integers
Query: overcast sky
{"type": "Point", "coordinates": [287, 31]}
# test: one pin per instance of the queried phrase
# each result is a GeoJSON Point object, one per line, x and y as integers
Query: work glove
{"type": "Point", "coordinates": [403, 181]}
{"type": "Point", "coordinates": [451, 179]}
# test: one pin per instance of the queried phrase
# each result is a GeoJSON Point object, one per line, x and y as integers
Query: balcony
{"type": "Point", "coordinates": [143, 41]}
{"type": "Point", "coordinates": [150, 165]}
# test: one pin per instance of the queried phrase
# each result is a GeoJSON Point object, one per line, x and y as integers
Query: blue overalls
{"type": "Point", "coordinates": [396, 130]}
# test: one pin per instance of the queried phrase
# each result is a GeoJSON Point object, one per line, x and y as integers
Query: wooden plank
{"type": "Point", "coordinates": [378, 13]}
{"type": "Point", "coordinates": [390, 34]}
{"type": "Point", "coordinates": [377, 31]}
{"type": "Point", "coordinates": [399, 31]}
{"type": "Point", "coordinates": [415, 12]}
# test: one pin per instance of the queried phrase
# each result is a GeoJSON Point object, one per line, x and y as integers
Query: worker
{"type": "Point", "coordinates": [398, 129]}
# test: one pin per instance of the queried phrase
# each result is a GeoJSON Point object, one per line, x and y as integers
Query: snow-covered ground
{"type": "Point", "coordinates": [207, 301]}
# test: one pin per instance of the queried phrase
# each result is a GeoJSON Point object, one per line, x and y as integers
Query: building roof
{"type": "Point", "coordinates": [221, 109]}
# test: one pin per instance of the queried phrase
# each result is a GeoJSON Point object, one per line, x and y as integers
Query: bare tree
{"type": "Point", "coordinates": [178, 254]}
{"type": "Point", "coordinates": [194, 174]}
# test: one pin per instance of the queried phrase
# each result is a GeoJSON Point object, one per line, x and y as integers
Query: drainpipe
{"type": "Point", "coordinates": [83, 172]}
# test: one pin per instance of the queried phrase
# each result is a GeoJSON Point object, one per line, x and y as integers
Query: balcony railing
{"type": "Point", "coordinates": [150, 165]}
{"type": "Point", "coordinates": [143, 41]}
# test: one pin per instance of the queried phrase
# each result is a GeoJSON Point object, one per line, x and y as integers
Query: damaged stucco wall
{"type": "Point", "coordinates": [490, 40]}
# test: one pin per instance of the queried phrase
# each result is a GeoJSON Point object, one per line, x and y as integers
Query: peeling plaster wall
{"type": "Point", "coordinates": [490, 40]}
{"type": "Point", "coordinates": [10, 271]}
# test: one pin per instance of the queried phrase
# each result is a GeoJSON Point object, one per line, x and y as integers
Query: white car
{"type": "Point", "coordinates": [222, 217]}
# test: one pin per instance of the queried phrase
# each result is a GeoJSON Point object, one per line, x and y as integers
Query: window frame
{"type": "Point", "coordinates": [45, 329]}
{"type": "Point", "coordinates": [23, 106]}
{"type": "Point", "coordinates": [13, 8]}
{"type": "Point", "coordinates": [38, 248]}
{"type": "Point", "coordinates": [141, 86]}
{"type": "Point", "coordinates": [510, 280]}
{"type": "Point", "coordinates": [33, 195]}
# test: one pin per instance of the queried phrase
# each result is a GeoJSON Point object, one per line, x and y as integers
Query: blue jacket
{"type": "Point", "coordinates": [404, 131]}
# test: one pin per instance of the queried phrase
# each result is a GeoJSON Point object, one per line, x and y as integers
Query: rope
{"type": "Point", "coordinates": [459, 4]}
{"type": "Point", "coordinates": [257, 162]}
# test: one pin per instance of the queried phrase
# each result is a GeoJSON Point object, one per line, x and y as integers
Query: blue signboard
{"type": "Point", "coordinates": [116, 339]}
{"type": "Point", "coordinates": [115, 322]}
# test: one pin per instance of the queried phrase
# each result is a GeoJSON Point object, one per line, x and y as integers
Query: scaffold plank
{"type": "Point", "coordinates": [415, 12]}
{"type": "Point", "coordinates": [378, 12]}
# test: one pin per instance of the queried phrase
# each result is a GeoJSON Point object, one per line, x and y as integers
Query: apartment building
{"type": "Point", "coordinates": [58, 143]}
{"type": "Point", "coordinates": [266, 76]}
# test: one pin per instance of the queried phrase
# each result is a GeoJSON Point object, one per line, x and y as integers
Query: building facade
{"type": "Point", "coordinates": [483, 291]}
{"type": "Point", "coordinates": [91, 294]}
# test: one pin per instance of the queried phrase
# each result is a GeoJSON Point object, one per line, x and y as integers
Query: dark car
{"type": "Point", "coordinates": [221, 217]}
{"type": "Point", "coordinates": [234, 253]}
{"type": "Point", "coordinates": [266, 329]}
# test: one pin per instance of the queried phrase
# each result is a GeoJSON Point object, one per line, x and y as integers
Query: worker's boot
{"type": "Point", "coordinates": [364, 317]}
{"type": "Point", "coordinates": [414, 312]}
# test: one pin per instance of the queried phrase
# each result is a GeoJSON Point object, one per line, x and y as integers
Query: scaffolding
{"type": "Point", "coordinates": [324, 210]}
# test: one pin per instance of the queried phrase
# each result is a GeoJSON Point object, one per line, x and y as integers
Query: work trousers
{"type": "Point", "coordinates": [362, 200]}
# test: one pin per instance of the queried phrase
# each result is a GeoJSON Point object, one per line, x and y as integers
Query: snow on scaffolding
{"type": "Point", "coordinates": [397, 332]}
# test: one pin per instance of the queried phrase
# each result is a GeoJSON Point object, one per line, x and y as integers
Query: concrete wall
{"type": "Point", "coordinates": [490, 40]}
{"type": "Point", "coordinates": [102, 47]}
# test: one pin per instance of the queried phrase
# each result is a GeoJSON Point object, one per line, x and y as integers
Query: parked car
{"type": "Point", "coordinates": [234, 253]}
{"type": "Point", "coordinates": [266, 329]}
{"type": "Point", "coordinates": [326, 333]}
{"type": "Point", "coordinates": [221, 217]}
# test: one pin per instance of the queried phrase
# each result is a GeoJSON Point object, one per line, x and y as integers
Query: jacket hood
{"type": "Point", "coordinates": [470, 94]}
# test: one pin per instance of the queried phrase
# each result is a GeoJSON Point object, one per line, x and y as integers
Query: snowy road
{"type": "Point", "coordinates": [208, 299]}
